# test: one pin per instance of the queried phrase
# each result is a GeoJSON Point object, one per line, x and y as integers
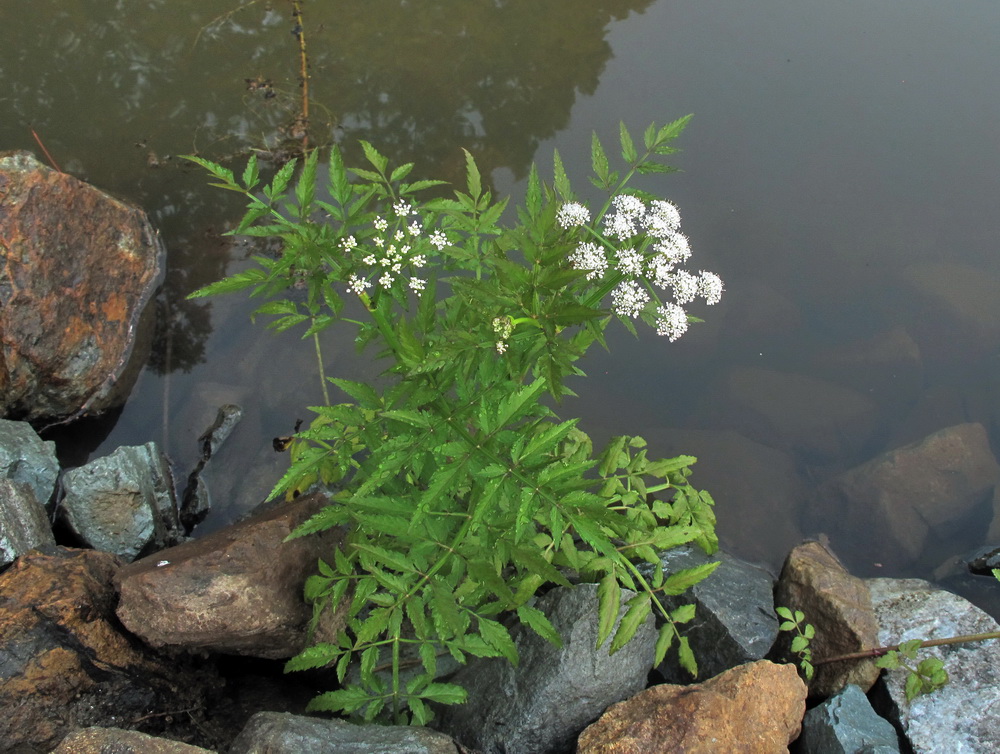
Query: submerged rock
{"type": "Point", "coordinates": [236, 591]}
{"type": "Point", "coordinates": [122, 503]}
{"type": "Point", "coordinates": [74, 257]}
{"type": "Point", "coordinates": [964, 716]}
{"type": "Point", "coordinates": [753, 708]}
{"type": "Point", "coordinates": [543, 703]}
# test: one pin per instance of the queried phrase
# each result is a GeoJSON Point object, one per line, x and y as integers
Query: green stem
{"type": "Point", "coordinates": [319, 361]}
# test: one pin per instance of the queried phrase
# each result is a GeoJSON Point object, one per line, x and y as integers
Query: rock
{"type": "Point", "coordinates": [66, 664]}
{"type": "Point", "coordinates": [885, 367]}
{"type": "Point", "coordinates": [741, 475]}
{"type": "Point", "coordinates": [118, 741]}
{"type": "Point", "coordinates": [899, 502]}
{"type": "Point", "coordinates": [71, 255]}
{"type": "Point", "coordinates": [237, 591]}
{"type": "Point", "coordinates": [815, 420]}
{"type": "Point", "coordinates": [847, 724]}
{"type": "Point", "coordinates": [282, 733]}
{"type": "Point", "coordinates": [839, 607]}
{"type": "Point", "coordinates": [122, 503]}
{"type": "Point", "coordinates": [544, 702]}
{"type": "Point", "coordinates": [25, 458]}
{"type": "Point", "coordinates": [751, 709]}
{"type": "Point", "coordinates": [964, 716]}
{"type": "Point", "coordinates": [197, 501]}
{"type": "Point", "coordinates": [23, 523]}
{"type": "Point", "coordinates": [734, 619]}
{"type": "Point", "coordinates": [984, 560]}
{"type": "Point", "coordinates": [956, 310]}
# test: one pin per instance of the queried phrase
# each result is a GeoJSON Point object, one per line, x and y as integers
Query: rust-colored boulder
{"type": "Point", "coordinates": [64, 661]}
{"type": "Point", "coordinates": [235, 591]}
{"type": "Point", "coordinates": [839, 606]}
{"type": "Point", "coordinates": [76, 270]}
{"type": "Point", "coordinates": [751, 709]}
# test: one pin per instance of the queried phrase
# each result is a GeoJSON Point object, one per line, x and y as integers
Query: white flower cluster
{"type": "Point", "coordinates": [392, 255]}
{"type": "Point", "coordinates": [503, 327]}
{"type": "Point", "coordinates": [646, 247]}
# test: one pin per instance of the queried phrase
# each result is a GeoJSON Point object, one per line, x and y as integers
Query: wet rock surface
{"type": "Point", "coordinates": [236, 591]}
{"type": "Point", "coordinates": [118, 741]}
{"type": "Point", "coordinates": [122, 503]}
{"type": "Point", "coordinates": [27, 459]}
{"type": "Point", "coordinates": [23, 523]}
{"type": "Point", "coordinates": [840, 607]}
{"type": "Point", "coordinates": [846, 724]}
{"type": "Point", "coordinates": [275, 733]}
{"type": "Point", "coordinates": [65, 663]}
{"type": "Point", "coordinates": [752, 709]}
{"type": "Point", "coordinates": [964, 716]}
{"type": "Point", "coordinates": [734, 619]}
{"type": "Point", "coordinates": [71, 255]}
{"type": "Point", "coordinates": [543, 703]}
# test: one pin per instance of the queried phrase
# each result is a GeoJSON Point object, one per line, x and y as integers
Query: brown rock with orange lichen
{"type": "Point", "coordinates": [64, 660]}
{"type": "Point", "coordinates": [77, 268]}
{"type": "Point", "coordinates": [839, 606]}
{"type": "Point", "coordinates": [751, 709]}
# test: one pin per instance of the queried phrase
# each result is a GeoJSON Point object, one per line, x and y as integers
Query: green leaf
{"type": "Point", "coordinates": [686, 657]}
{"type": "Point", "coordinates": [305, 189]}
{"type": "Point", "coordinates": [639, 608]}
{"type": "Point", "coordinates": [609, 597]}
{"type": "Point", "coordinates": [663, 641]}
{"type": "Point", "coordinates": [533, 196]}
{"type": "Point", "coordinates": [784, 612]}
{"type": "Point", "coordinates": [281, 180]}
{"type": "Point", "coordinates": [561, 181]}
{"type": "Point", "coordinates": [498, 637]}
{"type": "Point", "coordinates": [363, 393]}
{"type": "Point", "coordinates": [251, 174]}
{"type": "Point", "coordinates": [536, 620]}
{"type": "Point", "coordinates": [346, 700]}
{"type": "Point", "coordinates": [401, 172]}
{"type": "Point", "coordinates": [677, 583]}
{"type": "Point", "coordinates": [445, 693]}
{"type": "Point", "coordinates": [598, 159]}
{"type": "Point", "coordinates": [683, 614]}
{"type": "Point", "coordinates": [374, 157]}
{"type": "Point", "coordinates": [387, 557]}
{"type": "Point", "coordinates": [317, 656]}
{"type": "Point", "coordinates": [472, 178]}
{"type": "Point", "coordinates": [628, 148]}
{"type": "Point", "coordinates": [799, 643]}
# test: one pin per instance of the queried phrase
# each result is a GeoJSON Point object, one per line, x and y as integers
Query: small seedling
{"type": "Point", "coordinates": [793, 621]}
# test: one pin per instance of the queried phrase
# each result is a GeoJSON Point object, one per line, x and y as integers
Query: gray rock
{"type": "Point", "coordinates": [23, 523]}
{"type": "Point", "coordinates": [284, 733]}
{"type": "Point", "coordinates": [25, 457]}
{"type": "Point", "coordinates": [964, 716]}
{"type": "Point", "coordinates": [122, 503]}
{"type": "Point", "coordinates": [554, 693]}
{"type": "Point", "coordinates": [847, 724]}
{"type": "Point", "coordinates": [734, 619]}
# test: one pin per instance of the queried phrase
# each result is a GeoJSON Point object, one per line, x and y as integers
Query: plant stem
{"type": "Point", "coordinates": [322, 373]}
{"type": "Point", "coordinates": [880, 651]}
{"type": "Point", "coordinates": [300, 34]}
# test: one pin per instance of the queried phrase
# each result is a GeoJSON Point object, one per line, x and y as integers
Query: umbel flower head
{"type": "Point", "coordinates": [643, 247]}
{"type": "Point", "coordinates": [392, 255]}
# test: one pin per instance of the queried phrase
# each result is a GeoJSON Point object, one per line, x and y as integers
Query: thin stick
{"type": "Point", "coordinates": [879, 651]}
{"type": "Point", "coordinates": [47, 155]}
{"type": "Point", "coordinates": [300, 34]}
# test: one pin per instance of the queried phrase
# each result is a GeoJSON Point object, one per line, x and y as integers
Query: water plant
{"type": "Point", "coordinates": [462, 491]}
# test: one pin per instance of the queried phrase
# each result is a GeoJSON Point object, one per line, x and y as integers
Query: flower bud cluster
{"type": "Point", "coordinates": [644, 247]}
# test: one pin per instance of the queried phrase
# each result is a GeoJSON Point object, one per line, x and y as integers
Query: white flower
{"type": "Point", "coordinates": [378, 241]}
{"type": "Point", "coordinates": [674, 246]}
{"type": "Point", "coordinates": [573, 215]}
{"type": "Point", "coordinates": [416, 284]}
{"type": "Point", "coordinates": [710, 287]}
{"type": "Point", "coordinates": [629, 206]}
{"type": "Point", "coordinates": [671, 320]}
{"type": "Point", "coordinates": [589, 257]}
{"type": "Point", "coordinates": [386, 280]}
{"type": "Point", "coordinates": [358, 285]}
{"type": "Point", "coordinates": [629, 262]}
{"type": "Point", "coordinates": [402, 209]}
{"type": "Point", "coordinates": [659, 270]}
{"type": "Point", "coordinates": [620, 226]}
{"type": "Point", "coordinates": [348, 243]}
{"type": "Point", "coordinates": [663, 214]}
{"type": "Point", "coordinates": [439, 240]}
{"type": "Point", "coordinates": [628, 299]}
{"type": "Point", "coordinates": [685, 286]}
{"type": "Point", "coordinates": [414, 228]}
{"type": "Point", "coordinates": [419, 260]}
{"type": "Point", "coordinates": [397, 236]}
{"type": "Point", "coordinates": [503, 327]}
{"type": "Point", "coordinates": [370, 259]}
{"type": "Point", "coordinates": [501, 346]}
{"type": "Point", "coordinates": [380, 224]}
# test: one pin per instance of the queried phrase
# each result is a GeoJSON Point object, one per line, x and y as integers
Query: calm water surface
{"type": "Point", "coordinates": [840, 156]}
